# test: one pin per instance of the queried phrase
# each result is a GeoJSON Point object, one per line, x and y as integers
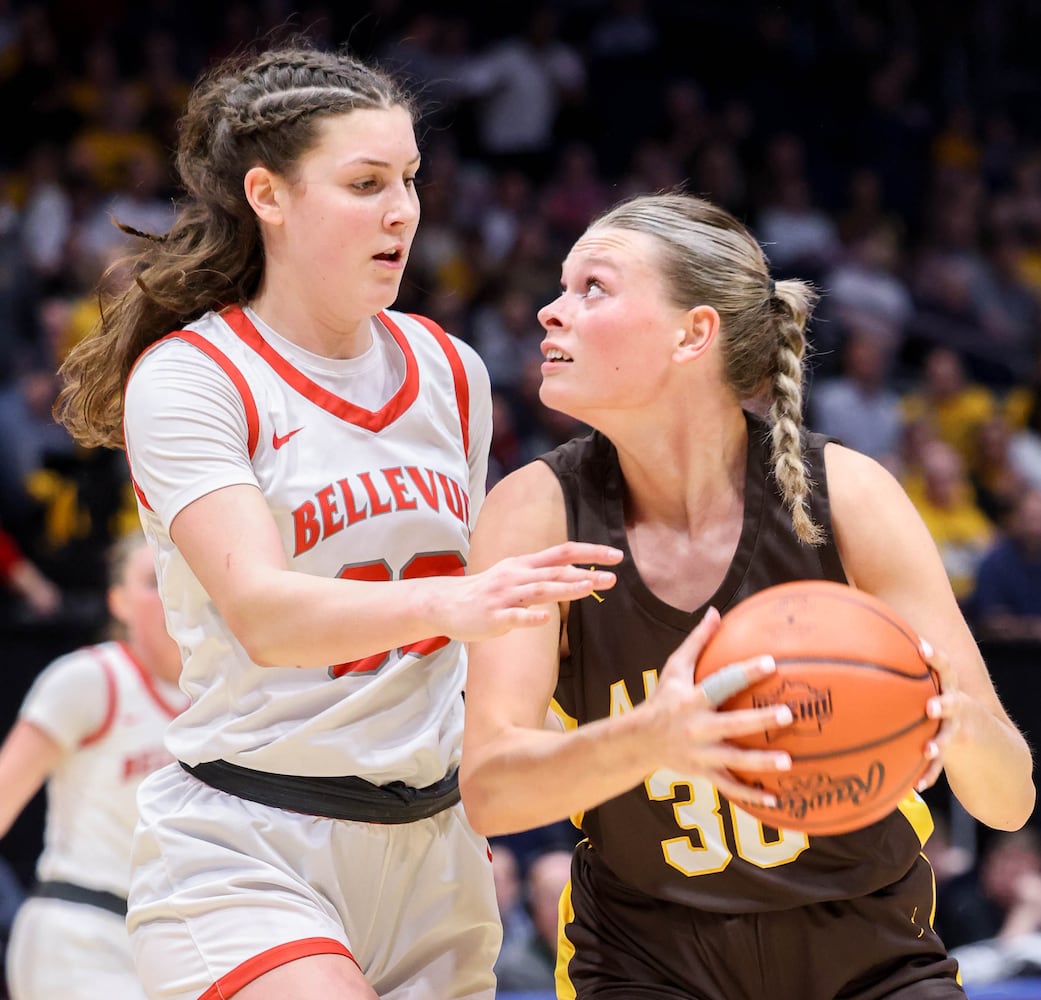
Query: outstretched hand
{"type": "Point", "coordinates": [694, 734]}
{"type": "Point", "coordinates": [516, 592]}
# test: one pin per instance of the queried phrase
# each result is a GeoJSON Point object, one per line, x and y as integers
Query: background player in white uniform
{"type": "Point", "coordinates": [92, 727]}
{"type": "Point", "coordinates": [308, 466]}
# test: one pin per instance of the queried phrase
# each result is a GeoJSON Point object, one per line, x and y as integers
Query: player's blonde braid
{"type": "Point", "coordinates": [788, 306]}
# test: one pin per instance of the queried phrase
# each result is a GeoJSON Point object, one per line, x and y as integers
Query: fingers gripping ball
{"type": "Point", "coordinates": [852, 673]}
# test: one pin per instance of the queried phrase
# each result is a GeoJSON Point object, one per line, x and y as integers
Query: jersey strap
{"type": "Point", "coordinates": [113, 698]}
{"type": "Point", "coordinates": [462, 386]}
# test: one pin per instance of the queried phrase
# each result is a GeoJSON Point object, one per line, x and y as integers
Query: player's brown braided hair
{"type": "Point", "coordinates": [715, 260]}
{"type": "Point", "coordinates": [249, 109]}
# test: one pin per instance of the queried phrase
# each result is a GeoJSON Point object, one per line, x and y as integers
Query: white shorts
{"type": "Point", "coordinates": [69, 950]}
{"type": "Point", "coordinates": [219, 882]}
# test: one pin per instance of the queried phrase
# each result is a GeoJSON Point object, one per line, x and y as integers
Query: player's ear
{"type": "Point", "coordinates": [263, 190]}
{"type": "Point", "coordinates": [116, 599]}
{"type": "Point", "coordinates": [699, 329]}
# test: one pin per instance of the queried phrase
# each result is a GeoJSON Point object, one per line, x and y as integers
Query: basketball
{"type": "Point", "coordinates": [851, 671]}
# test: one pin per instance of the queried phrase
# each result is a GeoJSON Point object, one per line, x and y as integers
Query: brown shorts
{"type": "Point", "coordinates": [629, 946]}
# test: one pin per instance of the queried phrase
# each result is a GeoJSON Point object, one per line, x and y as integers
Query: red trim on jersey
{"type": "Point", "coordinates": [371, 420]}
{"type": "Point", "coordinates": [148, 680]}
{"type": "Point", "coordinates": [253, 968]}
{"type": "Point", "coordinates": [249, 404]}
{"type": "Point", "coordinates": [462, 386]}
{"type": "Point", "coordinates": [110, 684]}
{"type": "Point", "coordinates": [138, 492]}
{"type": "Point", "coordinates": [237, 378]}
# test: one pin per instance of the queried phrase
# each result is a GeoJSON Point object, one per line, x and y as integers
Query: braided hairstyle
{"type": "Point", "coordinates": [247, 110]}
{"type": "Point", "coordinates": [714, 259]}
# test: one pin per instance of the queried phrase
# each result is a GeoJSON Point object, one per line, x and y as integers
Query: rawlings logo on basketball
{"type": "Point", "coordinates": [811, 707]}
{"type": "Point", "coordinates": [817, 793]}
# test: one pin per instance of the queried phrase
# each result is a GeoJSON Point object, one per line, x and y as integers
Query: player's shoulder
{"type": "Point", "coordinates": [81, 669]}
{"type": "Point", "coordinates": [855, 472]}
{"type": "Point", "coordinates": [528, 502]}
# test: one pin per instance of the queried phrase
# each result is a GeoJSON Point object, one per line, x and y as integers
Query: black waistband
{"type": "Point", "coordinates": [72, 893]}
{"type": "Point", "coordinates": [334, 798]}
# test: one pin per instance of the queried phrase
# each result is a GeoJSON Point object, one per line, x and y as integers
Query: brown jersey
{"type": "Point", "coordinates": [675, 836]}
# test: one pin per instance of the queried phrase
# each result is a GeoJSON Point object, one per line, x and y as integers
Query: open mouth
{"type": "Point", "coordinates": [554, 354]}
{"type": "Point", "coordinates": [390, 255]}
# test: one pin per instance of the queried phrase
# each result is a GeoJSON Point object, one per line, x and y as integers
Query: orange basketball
{"type": "Point", "coordinates": [852, 673]}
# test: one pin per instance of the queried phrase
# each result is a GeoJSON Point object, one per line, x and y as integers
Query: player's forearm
{"type": "Point", "coordinates": [989, 769]}
{"type": "Point", "coordinates": [293, 619]}
{"type": "Point", "coordinates": [526, 778]}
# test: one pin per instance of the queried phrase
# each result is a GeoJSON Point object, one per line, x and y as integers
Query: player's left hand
{"type": "Point", "coordinates": [948, 706]}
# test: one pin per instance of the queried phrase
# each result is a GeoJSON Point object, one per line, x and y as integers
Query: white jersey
{"type": "Point", "coordinates": [373, 468]}
{"type": "Point", "coordinates": [109, 714]}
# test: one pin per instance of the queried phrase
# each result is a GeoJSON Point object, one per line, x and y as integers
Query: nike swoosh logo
{"type": "Point", "coordinates": [277, 442]}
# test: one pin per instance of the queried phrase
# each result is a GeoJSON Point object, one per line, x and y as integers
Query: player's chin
{"type": "Point", "coordinates": [384, 296]}
{"type": "Point", "coordinates": [554, 394]}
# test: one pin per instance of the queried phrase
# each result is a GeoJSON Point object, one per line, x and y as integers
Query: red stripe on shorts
{"type": "Point", "coordinates": [253, 968]}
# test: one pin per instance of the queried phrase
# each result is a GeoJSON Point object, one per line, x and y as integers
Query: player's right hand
{"type": "Point", "coordinates": [694, 732]}
{"type": "Point", "coordinates": [517, 592]}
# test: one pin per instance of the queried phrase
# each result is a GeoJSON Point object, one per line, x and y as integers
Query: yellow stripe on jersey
{"type": "Point", "coordinates": [568, 722]}
{"type": "Point", "coordinates": [932, 909]}
{"type": "Point", "coordinates": [565, 949]}
{"type": "Point", "coordinates": [916, 812]}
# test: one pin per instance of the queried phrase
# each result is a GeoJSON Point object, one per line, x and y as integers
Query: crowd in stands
{"type": "Point", "coordinates": [889, 153]}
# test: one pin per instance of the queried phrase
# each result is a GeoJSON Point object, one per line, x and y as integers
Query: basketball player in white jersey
{"type": "Point", "coordinates": [91, 727]}
{"type": "Point", "coordinates": [308, 466]}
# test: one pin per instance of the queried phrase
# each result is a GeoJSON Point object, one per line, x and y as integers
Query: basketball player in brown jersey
{"type": "Point", "coordinates": [669, 336]}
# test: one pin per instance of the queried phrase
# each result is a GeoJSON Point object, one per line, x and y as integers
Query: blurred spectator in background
{"type": "Point", "coordinates": [506, 452]}
{"type": "Point", "coordinates": [24, 580]}
{"type": "Point", "coordinates": [47, 213]}
{"type": "Point", "coordinates": [997, 480]}
{"type": "Point", "coordinates": [947, 399]}
{"type": "Point", "coordinates": [530, 962]}
{"type": "Point", "coordinates": [858, 405]}
{"type": "Point", "coordinates": [574, 193]}
{"type": "Point", "coordinates": [864, 290]}
{"type": "Point", "coordinates": [511, 201]}
{"type": "Point", "coordinates": [963, 912]}
{"type": "Point", "coordinates": [941, 491]}
{"type": "Point", "coordinates": [1010, 879]}
{"type": "Point", "coordinates": [22, 356]}
{"type": "Point", "coordinates": [1006, 602]}
{"type": "Point", "coordinates": [143, 201]}
{"type": "Point", "coordinates": [509, 894]}
{"type": "Point", "coordinates": [1008, 309]}
{"type": "Point", "coordinates": [798, 235]}
{"type": "Point", "coordinates": [507, 335]}
{"type": "Point", "coordinates": [518, 85]}
{"type": "Point", "coordinates": [864, 213]}
{"type": "Point", "coordinates": [1025, 443]}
